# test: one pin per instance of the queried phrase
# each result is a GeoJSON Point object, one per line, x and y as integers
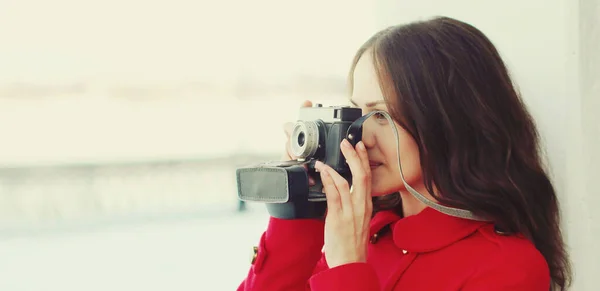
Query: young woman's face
{"type": "Point", "coordinates": [378, 135]}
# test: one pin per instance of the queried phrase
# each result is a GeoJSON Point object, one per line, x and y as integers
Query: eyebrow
{"type": "Point", "coordinates": [369, 104]}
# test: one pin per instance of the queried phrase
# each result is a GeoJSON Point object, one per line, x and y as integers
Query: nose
{"type": "Point", "coordinates": [368, 136]}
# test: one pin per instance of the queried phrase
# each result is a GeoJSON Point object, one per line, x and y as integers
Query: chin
{"type": "Point", "coordinates": [389, 182]}
{"type": "Point", "coordinates": [379, 187]}
{"type": "Point", "coordinates": [382, 191]}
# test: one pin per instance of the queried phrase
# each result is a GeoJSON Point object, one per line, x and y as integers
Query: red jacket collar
{"type": "Point", "coordinates": [426, 231]}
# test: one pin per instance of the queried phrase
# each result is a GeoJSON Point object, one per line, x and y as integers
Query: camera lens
{"type": "Point", "coordinates": [305, 139]}
{"type": "Point", "coordinates": [301, 139]}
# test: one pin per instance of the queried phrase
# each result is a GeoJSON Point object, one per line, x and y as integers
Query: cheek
{"type": "Point", "coordinates": [411, 163]}
{"type": "Point", "coordinates": [387, 179]}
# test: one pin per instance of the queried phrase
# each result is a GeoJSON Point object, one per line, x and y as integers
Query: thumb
{"type": "Point", "coordinates": [287, 128]}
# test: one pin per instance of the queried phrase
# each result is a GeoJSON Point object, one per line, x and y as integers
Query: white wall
{"type": "Point", "coordinates": [552, 48]}
{"type": "Point", "coordinates": [157, 80]}
{"type": "Point", "coordinates": [582, 202]}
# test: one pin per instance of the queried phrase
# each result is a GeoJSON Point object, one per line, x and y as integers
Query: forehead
{"type": "Point", "coordinates": [365, 88]}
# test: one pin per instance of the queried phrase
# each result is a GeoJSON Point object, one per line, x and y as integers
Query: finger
{"type": "Point", "coordinates": [363, 156]}
{"type": "Point", "coordinates": [341, 184]}
{"type": "Point", "coordinates": [287, 156]}
{"type": "Point", "coordinates": [364, 160]}
{"type": "Point", "coordinates": [288, 147]}
{"type": "Point", "coordinates": [287, 128]}
{"type": "Point", "coordinates": [334, 205]}
{"type": "Point", "coordinates": [311, 181]}
{"type": "Point", "coordinates": [360, 178]}
{"type": "Point", "coordinates": [307, 103]}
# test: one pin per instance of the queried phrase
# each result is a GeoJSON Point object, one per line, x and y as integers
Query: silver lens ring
{"type": "Point", "coordinates": [304, 139]}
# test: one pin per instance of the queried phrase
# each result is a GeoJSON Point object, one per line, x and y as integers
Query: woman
{"type": "Point", "coordinates": [466, 141]}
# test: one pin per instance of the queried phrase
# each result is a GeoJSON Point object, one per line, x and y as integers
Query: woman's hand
{"type": "Point", "coordinates": [348, 209]}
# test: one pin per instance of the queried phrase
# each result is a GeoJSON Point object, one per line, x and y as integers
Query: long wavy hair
{"type": "Point", "coordinates": [446, 84]}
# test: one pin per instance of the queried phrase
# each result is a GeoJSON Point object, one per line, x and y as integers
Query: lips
{"type": "Point", "coordinates": [374, 164]}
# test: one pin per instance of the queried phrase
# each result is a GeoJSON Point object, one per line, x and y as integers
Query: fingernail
{"type": "Point", "coordinates": [360, 146]}
{"type": "Point", "coordinates": [346, 144]}
{"type": "Point", "coordinates": [318, 166]}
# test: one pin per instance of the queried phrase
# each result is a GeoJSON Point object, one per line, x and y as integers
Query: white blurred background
{"type": "Point", "coordinates": [122, 123]}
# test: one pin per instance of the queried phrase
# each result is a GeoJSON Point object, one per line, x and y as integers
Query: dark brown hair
{"type": "Point", "coordinates": [446, 84]}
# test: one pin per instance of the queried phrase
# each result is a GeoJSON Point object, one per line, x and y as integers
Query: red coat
{"type": "Point", "coordinates": [427, 251]}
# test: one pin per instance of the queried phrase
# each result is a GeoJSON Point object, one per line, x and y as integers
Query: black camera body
{"type": "Point", "coordinates": [318, 135]}
{"type": "Point", "coordinates": [283, 185]}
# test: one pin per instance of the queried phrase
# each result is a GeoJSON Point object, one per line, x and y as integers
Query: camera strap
{"type": "Point", "coordinates": [354, 135]}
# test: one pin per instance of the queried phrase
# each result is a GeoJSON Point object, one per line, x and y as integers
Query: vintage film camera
{"type": "Point", "coordinates": [283, 185]}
